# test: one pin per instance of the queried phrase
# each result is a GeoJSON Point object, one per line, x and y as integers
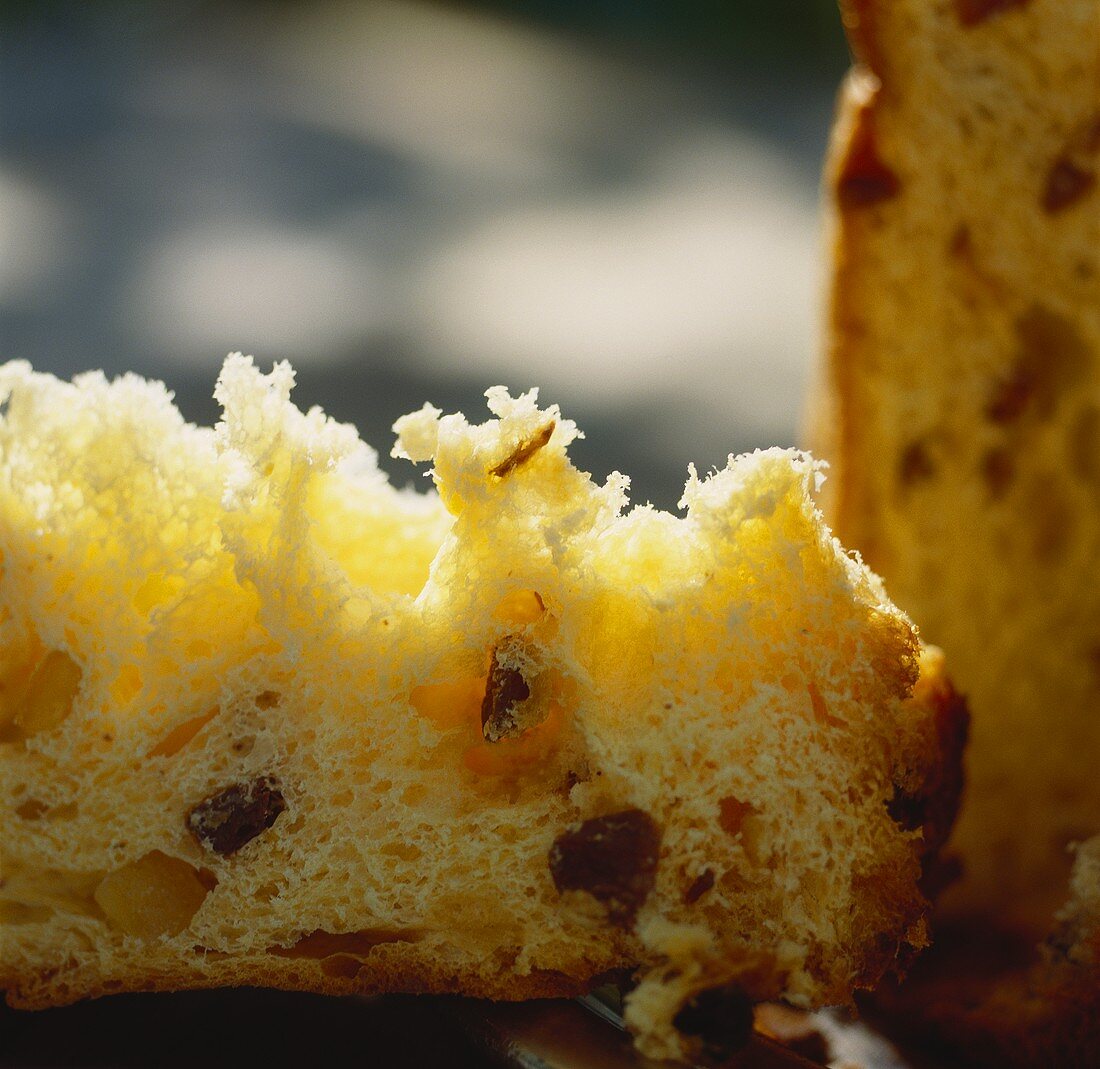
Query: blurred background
{"type": "Point", "coordinates": [615, 200]}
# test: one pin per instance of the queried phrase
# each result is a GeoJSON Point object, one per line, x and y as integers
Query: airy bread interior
{"type": "Point", "coordinates": [268, 720]}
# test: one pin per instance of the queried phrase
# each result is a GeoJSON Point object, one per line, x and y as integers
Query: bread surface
{"type": "Point", "coordinates": [959, 408]}
{"type": "Point", "coordinates": [268, 720]}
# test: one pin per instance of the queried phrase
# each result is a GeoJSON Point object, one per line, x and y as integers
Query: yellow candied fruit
{"type": "Point", "coordinates": [449, 705]}
{"type": "Point", "coordinates": [155, 896]}
{"type": "Point", "coordinates": [50, 694]}
{"type": "Point", "coordinates": [156, 590]}
{"type": "Point", "coordinates": [182, 734]}
{"type": "Point", "coordinates": [126, 685]}
{"type": "Point", "coordinates": [51, 889]}
{"type": "Point", "coordinates": [820, 709]}
{"type": "Point", "coordinates": [16, 913]}
{"type": "Point", "coordinates": [520, 607]}
{"type": "Point", "coordinates": [17, 664]}
{"type": "Point", "coordinates": [510, 756]}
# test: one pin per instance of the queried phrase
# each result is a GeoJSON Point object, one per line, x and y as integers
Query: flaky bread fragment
{"type": "Point", "coordinates": [267, 720]}
{"type": "Point", "coordinates": [959, 407]}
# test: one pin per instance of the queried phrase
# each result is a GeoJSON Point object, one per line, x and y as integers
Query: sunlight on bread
{"type": "Point", "coordinates": [266, 719]}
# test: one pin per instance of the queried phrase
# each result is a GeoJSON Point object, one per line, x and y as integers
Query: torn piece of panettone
{"type": "Point", "coordinates": [267, 720]}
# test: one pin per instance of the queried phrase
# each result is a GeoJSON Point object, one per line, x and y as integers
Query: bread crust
{"type": "Point", "coordinates": [409, 972]}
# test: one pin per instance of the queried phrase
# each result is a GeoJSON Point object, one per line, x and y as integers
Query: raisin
{"type": "Point", "coordinates": [1053, 358]}
{"type": "Point", "coordinates": [524, 451]}
{"type": "Point", "coordinates": [1072, 175]}
{"type": "Point", "coordinates": [504, 690]}
{"type": "Point", "coordinates": [613, 858]}
{"type": "Point", "coordinates": [1066, 184]}
{"type": "Point", "coordinates": [973, 12]}
{"type": "Point", "coordinates": [225, 821]}
{"type": "Point", "coordinates": [720, 1018]}
{"type": "Point", "coordinates": [32, 809]}
{"type": "Point", "coordinates": [699, 887]}
{"type": "Point", "coordinates": [915, 464]}
{"type": "Point", "coordinates": [1011, 396]}
{"type": "Point", "coordinates": [864, 179]}
{"type": "Point", "coordinates": [907, 810]}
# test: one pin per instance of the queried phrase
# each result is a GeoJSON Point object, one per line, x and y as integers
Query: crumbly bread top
{"type": "Point", "coordinates": [963, 407]}
{"type": "Point", "coordinates": [266, 719]}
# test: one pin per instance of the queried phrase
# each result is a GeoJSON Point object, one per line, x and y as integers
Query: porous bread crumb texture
{"type": "Point", "coordinates": [961, 411]}
{"type": "Point", "coordinates": [247, 687]}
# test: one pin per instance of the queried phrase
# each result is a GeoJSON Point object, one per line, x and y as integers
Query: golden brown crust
{"type": "Point", "coordinates": [409, 973]}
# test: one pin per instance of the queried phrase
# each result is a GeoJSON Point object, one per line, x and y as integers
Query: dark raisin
{"type": "Point", "coordinates": [915, 464]}
{"type": "Point", "coordinates": [504, 690]}
{"type": "Point", "coordinates": [907, 810]}
{"type": "Point", "coordinates": [1011, 396]}
{"type": "Point", "coordinates": [225, 821]}
{"type": "Point", "coordinates": [864, 179]}
{"type": "Point", "coordinates": [972, 12]}
{"type": "Point", "coordinates": [720, 1018]}
{"type": "Point", "coordinates": [1066, 184]}
{"type": "Point", "coordinates": [613, 858]}
{"type": "Point", "coordinates": [524, 451]}
{"type": "Point", "coordinates": [699, 887]}
{"type": "Point", "coordinates": [1054, 357]}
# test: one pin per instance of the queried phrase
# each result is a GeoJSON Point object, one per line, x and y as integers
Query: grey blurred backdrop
{"type": "Point", "coordinates": [615, 201]}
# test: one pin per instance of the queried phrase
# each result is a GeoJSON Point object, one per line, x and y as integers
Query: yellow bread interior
{"type": "Point", "coordinates": [205, 627]}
